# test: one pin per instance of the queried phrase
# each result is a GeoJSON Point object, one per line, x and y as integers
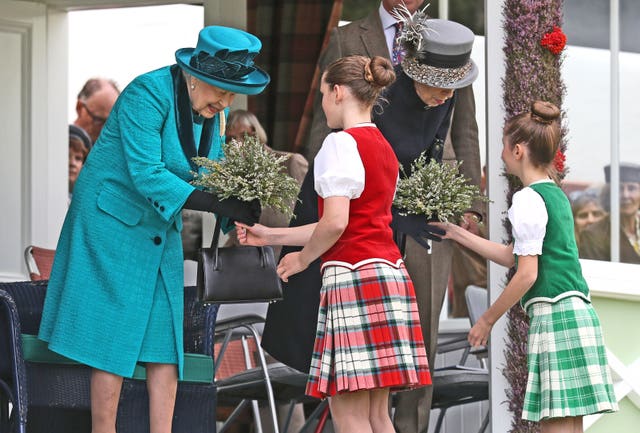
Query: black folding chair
{"type": "Point", "coordinates": [268, 382]}
{"type": "Point", "coordinates": [459, 384]}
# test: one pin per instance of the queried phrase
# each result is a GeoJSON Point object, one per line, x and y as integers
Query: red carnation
{"type": "Point", "coordinates": [554, 41]}
{"type": "Point", "coordinates": [558, 161]}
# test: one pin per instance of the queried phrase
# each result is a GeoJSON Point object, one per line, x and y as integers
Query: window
{"type": "Point", "coordinates": [601, 132]}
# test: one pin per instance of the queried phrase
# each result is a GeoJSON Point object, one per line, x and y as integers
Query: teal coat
{"type": "Point", "coordinates": [120, 241]}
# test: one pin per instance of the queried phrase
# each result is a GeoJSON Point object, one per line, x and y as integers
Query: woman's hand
{"type": "Point", "coordinates": [255, 235]}
{"type": "Point", "coordinates": [246, 212]}
{"type": "Point", "coordinates": [417, 227]}
{"type": "Point", "coordinates": [479, 333]}
{"type": "Point", "coordinates": [291, 264]}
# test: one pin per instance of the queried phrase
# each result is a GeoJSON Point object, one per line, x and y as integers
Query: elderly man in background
{"type": "Point", "coordinates": [94, 104]}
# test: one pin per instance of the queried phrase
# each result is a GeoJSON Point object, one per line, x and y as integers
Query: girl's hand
{"type": "Point", "coordinates": [291, 264]}
{"type": "Point", "coordinates": [255, 235]}
{"type": "Point", "coordinates": [448, 228]}
{"type": "Point", "coordinates": [479, 333]}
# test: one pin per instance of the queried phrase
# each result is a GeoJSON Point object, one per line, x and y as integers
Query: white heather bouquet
{"type": "Point", "coordinates": [249, 171]}
{"type": "Point", "coordinates": [435, 190]}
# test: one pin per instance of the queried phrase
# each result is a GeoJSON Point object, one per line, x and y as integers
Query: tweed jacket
{"type": "Point", "coordinates": [121, 235]}
{"type": "Point", "coordinates": [363, 37]}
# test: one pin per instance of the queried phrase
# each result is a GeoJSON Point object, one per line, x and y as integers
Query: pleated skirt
{"type": "Point", "coordinates": [368, 333]}
{"type": "Point", "coordinates": [567, 362]}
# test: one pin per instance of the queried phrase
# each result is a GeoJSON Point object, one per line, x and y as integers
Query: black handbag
{"type": "Point", "coordinates": [237, 274]}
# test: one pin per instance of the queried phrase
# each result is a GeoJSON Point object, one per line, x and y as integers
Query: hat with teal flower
{"type": "Point", "coordinates": [223, 58]}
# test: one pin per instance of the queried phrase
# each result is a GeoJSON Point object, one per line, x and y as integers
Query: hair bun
{"type": "Point", "coordinates": [382, 72]}
{"type": "Point", "coordinates": [544, 111]}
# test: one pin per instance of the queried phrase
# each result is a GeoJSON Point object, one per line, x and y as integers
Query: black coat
{"type": "Point", "coordinates": [290, 330]}
{"type": "Point", "coordinates": [408, 125]}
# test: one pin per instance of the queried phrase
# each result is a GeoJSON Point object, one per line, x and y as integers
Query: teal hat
{"type": "Point", "coordinates": [223, 58]}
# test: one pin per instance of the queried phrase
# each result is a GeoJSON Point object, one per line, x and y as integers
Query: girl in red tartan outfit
{"type": "Point", "coordinates": [368, 339]}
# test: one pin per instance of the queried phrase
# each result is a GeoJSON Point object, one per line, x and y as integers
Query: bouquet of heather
{"type": "Point", "coordinates": [435, 190]}
{"type": "Point", "coordinates": [249, 171]}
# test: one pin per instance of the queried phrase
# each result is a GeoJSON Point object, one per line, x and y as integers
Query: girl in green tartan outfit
{"type": "Point", "coordinates": [568, 369]}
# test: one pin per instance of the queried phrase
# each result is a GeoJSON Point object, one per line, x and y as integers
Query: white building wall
{"type": "Point", "coordinates": [33, 143]}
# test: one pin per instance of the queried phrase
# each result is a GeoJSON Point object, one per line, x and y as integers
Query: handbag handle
{"type": "Point", "coordinates": [214, 245]}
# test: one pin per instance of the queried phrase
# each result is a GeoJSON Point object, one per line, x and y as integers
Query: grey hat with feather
{"type": "Point", "coordinates": [438, 52]}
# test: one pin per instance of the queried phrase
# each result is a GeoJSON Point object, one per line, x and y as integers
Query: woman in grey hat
{"type": "Point", "coordinates": [436, 63]}
{"type": "Point", "coordinates": [115, 296]}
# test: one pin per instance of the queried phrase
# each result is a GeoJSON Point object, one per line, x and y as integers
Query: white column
{"type": "Point", "coordinates": [614, 47]}
{"type": "Point", "coordinates": [496, 186]}
{"type": "Point", "coordinates": [443, 9]}
{"type": "Point", "coordinates": [57, 138]}
{"type": "Point", "coordinates": [33, 122]}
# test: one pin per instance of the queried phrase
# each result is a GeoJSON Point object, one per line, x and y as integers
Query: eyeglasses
{"type": "Point", "coordinates": [99, 120]}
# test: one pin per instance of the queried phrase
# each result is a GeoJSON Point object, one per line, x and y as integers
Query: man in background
{"type": "Point", "coordinates": [94, 104]}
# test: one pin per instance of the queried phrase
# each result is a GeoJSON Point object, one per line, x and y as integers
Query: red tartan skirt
{"type": "Point", "coordinates": [368, 333]}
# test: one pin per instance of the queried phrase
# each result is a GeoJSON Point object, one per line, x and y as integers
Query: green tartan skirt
{"type": "Point", "coordinates": [567, 360]}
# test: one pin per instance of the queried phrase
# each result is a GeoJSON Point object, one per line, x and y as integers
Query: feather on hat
{"type": "Point", "coordinates": [438, 52]}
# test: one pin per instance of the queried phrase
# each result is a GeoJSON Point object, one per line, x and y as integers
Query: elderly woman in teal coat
{"type": "Point", "coordinates": [115, 296]}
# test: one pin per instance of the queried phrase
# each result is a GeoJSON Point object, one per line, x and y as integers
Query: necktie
{"type": "Point", "coordinates": [397, 52]}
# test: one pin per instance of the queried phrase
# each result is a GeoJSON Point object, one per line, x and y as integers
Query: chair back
{"type": "Point", "coordinates": [20, 310]}
{"type": "Point", "coordinates": [29, 300]}
{"type": "Point", "coordinates": [57, 395]}
{"type": "Point", "coordinates": [477, 302]}
{"type": "Point", "coordinates": [39, 262]}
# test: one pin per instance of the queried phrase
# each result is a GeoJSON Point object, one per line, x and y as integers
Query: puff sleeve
{"type": "Point", "coordinates": [338, 169]}
{"type": "Point", "coordinates": [528, 217]}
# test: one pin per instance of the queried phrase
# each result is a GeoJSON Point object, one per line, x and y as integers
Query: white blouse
{"type": "Point", "coordinates": [528, 217]}
{"type": "Point", "coordinates": [337, 168]}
